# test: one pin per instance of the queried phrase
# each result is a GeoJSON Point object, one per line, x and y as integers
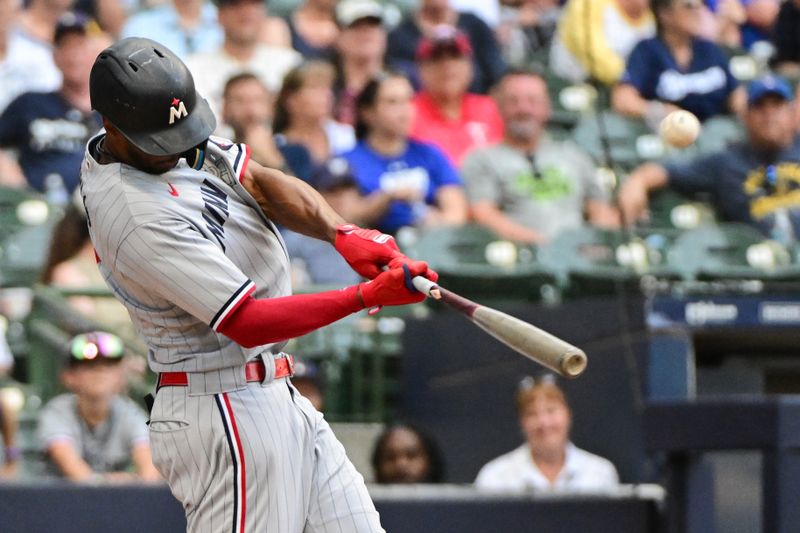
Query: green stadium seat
{"type": "Point", "coordinates": [591, 261]}
{"type": "Point", "coordinates": [734, 251]}
{"type": "Point", "coordinates": [460, 257]}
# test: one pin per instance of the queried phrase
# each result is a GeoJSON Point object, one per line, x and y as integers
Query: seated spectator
{"type": "Point", "coordinates": [184, 26]}
{"type": "Point", "coordinates": [405, 39]}
{"type": "Point", "coordinates": [360, 49]}
{"type": "Point", "coordinates": [721, 22]}
{"type": "Point", "coordinates": [547, 461]}
{"type": "Point", "coordinates": [676, 69]}
{"type": "Point", "coordinates": [109, 14]}
{"type": "Point", "coordinates": [304, 109]}
{"type": "Point", "coordinates": [92, 433]}
{"type": "Point", "coordinates": [26, 63]}
{"type": "Point", "coordinates": [417, 177]}
{"type": "Point", "coordinates": [786, 39]}
{"type": "Point", "coordinates": [445, 113]}
{"type": "Point", "coordinates": [313, 29]}
{"type": "Point", "coordinates": [247, 110]}
{"type": "Point", "coordinates": [594, 38]}
{"type": "Point", "coordinates": [406, 454]}
{"type": "Point", "coordinates": [760, 23]}
{"type": "Point", "coordinates": [50, 130]}
{"type": "Point", "coordinates": [315, 261]}
{"type": "Point", "coordinates": [529, 187]}
{"type": "Point", "coordinates": [753, 182]}
{"type": "Point", "coordinates": [308, 382]}
{"type": "Point", "coordinates": [526, 29]}
{"type": "Point", "coordinates": [241, 51]}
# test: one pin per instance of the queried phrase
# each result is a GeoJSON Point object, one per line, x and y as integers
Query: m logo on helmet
{"type": "Point", "coordinates": [177, 111]}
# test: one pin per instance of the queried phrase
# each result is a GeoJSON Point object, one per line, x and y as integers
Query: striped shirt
{"type": "Point", "coordinates": [181, 250]}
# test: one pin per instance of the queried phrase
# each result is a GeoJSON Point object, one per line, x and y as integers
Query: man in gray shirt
{"type": "Point", "coordinates": [93, 433]}
{"type": "Point", "coordinates": [528, 187]}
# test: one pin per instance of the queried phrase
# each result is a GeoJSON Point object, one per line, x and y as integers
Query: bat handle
{"type": "Point", "coordinates": [426, 287]}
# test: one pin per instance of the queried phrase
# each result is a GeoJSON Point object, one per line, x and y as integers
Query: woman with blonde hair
{"type": "Point", "coordinates": [547, 461]}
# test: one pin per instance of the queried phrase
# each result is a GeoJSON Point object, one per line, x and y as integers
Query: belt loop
{"type": "Point", "coordinates": [269, 369]}
{"type": "Point", "coordinates": [290, 362]}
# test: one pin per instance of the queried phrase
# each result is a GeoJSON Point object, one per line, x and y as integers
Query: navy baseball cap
{"type": "Point", "coordinates": [768, 85]}
{"type": "Point", "coordinates": [69, 23]}
{"type": "Point", "coordinates": [334, 174]}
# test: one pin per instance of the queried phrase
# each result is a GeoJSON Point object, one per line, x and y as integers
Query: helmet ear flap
{"type": "Point", "coordinates": [196, 156]}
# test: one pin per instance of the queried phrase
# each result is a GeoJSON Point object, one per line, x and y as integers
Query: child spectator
{"type": "Point", "coordinates": [92, 433]}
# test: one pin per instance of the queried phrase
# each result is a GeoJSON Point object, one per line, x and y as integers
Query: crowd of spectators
{"type": "Point", "coordinates": [436, 117]}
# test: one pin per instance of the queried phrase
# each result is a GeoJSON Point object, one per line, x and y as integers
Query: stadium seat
{"type": "Point", "coordinates": [733, 251]}
{"type": "Point", "coordinates": [472, 260]}
{"type": "Point", "coordinates": [591, 261]}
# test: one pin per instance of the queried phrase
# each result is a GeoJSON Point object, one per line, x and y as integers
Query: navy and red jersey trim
{"type": "Point", "coordinates": [236, 299]}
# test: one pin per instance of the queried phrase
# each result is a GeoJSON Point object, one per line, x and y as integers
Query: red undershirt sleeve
{"type": "Point", "coordinates": [256, 322]}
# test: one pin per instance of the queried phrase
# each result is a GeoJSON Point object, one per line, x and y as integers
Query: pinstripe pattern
{"type": "Point", "coordinates": [166, 266]}
{"type": "Point", "coordinates": [298, 478]}
{"type": "Point", "coordinates": [237, 459]}
{"type": "Point", "coordinates": [181, 251]}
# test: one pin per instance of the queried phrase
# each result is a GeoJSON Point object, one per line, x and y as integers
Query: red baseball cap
{"type": "Point", "coordinates": [444, 39]}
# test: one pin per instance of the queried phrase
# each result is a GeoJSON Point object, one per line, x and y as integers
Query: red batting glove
{"type": "Point", "coordinates": [390, 287]}
{"type": "Point", "coordinates": [366, 251]}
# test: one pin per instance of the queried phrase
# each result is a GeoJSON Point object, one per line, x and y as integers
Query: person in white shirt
{"type": "Point", "coordinates": [242, 22]}
{"type": "Point", "coordinates": [547, 461]}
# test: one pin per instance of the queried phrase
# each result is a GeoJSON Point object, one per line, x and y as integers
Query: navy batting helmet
{"type": "Point", "coordinates": [148, 94]}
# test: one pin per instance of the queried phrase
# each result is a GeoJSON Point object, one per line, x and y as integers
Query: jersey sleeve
{"type": "Point", "coordinates": [173, 259]}
{"type": "Point", "coordinates": [237, 155]}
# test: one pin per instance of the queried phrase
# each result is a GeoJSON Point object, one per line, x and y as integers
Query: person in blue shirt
{"type": "Point", "coordinates": [676, 69]}
{"type": "Point", "coordinates": [49, 130]}
{"type": "Point", "coordinates": [753, 182]}
{"type": "Point", "coordinates": [425, 185]}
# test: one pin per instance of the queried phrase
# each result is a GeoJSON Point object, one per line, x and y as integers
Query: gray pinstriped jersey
{"type": "Point", "coordinates": [180, 250]}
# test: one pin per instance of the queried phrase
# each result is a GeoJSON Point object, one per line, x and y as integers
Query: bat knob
{"type": "Point", "coordinates": [573, 363]}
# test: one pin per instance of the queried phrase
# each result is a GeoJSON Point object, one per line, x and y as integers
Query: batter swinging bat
{"type": "Point", "coordinates": [532, 342]}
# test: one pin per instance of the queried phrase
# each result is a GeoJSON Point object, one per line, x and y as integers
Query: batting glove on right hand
{"type": "Point", "coordinates": [391, 287]}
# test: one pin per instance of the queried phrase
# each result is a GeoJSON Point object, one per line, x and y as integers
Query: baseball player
{"type": "Point", "coordinates": [183, 226]}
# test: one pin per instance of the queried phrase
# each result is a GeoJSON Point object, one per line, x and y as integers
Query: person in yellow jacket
{"type": "Point", "coordinates": [594, 38]}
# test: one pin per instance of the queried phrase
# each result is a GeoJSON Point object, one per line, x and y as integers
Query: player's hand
{"type": "Point", "coordinates": [366, 251]}
{"type": "Point", "coordinates": [393, 287]}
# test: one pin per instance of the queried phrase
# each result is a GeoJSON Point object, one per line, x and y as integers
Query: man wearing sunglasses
{"type": "Point", "coordinates": [93, 433]}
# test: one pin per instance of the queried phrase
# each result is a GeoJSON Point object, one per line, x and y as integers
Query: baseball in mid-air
{"type": "Point", "coordinates": [679, 129]}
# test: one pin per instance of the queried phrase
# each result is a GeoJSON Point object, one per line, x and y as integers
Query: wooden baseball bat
{"type": "Point", "coordinates": [532, 342]}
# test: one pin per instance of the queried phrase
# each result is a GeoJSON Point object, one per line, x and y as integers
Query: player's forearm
{"type": "Point", "coordinates": [292, 203]}
{"type": "Point", "coordinates": [258, 322]}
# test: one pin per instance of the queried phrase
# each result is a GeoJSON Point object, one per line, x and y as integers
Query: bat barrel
{"type": "Point", "coordinates": [573, 363]}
